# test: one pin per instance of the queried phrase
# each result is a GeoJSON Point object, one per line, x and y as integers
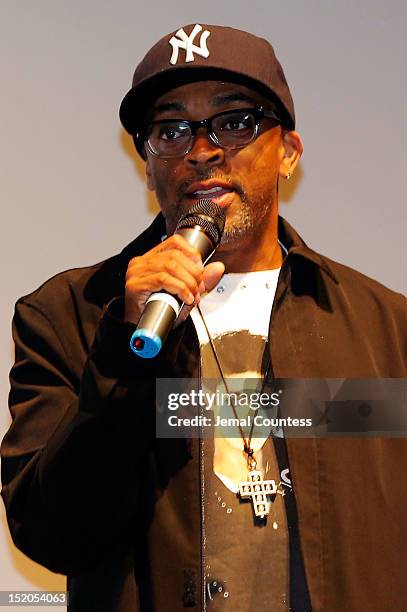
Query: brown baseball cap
{"type": "Point", "coordinates": [199, 52]}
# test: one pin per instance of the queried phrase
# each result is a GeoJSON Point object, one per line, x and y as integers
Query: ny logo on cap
{"type": "Point", "coordinates": [187, 42]}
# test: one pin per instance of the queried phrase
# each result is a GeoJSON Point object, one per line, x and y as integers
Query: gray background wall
{"type": "Point", "coordinates": [73, 193]}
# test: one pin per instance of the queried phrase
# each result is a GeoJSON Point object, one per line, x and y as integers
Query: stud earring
{"type": "Point", "coordinates": [288, 176]}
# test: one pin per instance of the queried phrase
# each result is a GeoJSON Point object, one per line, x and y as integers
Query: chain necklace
{"type": "Point", "coordinates": [254, 488]}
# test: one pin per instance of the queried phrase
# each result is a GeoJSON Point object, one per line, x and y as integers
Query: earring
{"type": "Point", "coordinates": [288, 176]}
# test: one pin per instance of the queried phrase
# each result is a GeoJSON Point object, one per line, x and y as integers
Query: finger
{"type": "Point", "coordinates": [161, 280]}
{"type": "Point", "coordinates": [180, 274]}
{"type": "Point", "coordinates": [171, 261]}
{"type": "Point", "coordinates": [182, 268]}
{"type": "Point", "coordinates": [177, 258]}
{"type": "Point", "coordinates": [178, 243]}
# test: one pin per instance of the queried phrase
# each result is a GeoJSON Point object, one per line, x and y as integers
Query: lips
{"type": "Point", "coordinates": [207, 193]}
{"type": "Point", "coordinates": [212, 190]}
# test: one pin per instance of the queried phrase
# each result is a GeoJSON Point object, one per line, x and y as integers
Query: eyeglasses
{"type": "Point", "coordinates": [232, 129]}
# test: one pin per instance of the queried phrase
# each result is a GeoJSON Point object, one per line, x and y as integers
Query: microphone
{"type": "Point", "coordinates": [202, 227]}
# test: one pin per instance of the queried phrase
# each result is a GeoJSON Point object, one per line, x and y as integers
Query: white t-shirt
{"type": "Point", "coordinates": [237, 314]}
{"type": "Point", "coordinates": [239, 301]}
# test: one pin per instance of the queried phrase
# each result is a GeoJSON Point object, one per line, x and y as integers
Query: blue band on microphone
{"type": "Point", "coordinates": [145, 343]}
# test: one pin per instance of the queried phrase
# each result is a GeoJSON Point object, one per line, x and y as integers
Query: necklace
{"type": "Point", "coordinates": [255, 488]}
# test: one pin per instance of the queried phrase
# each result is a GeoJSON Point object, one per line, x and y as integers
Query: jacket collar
{"type": "Point", "coordinates": [295, 245]}
{"type": "Point", "coordinates": [293, 242]}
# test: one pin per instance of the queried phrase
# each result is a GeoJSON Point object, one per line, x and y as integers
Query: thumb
{"type": "Point", "coordinates": [212, 274]}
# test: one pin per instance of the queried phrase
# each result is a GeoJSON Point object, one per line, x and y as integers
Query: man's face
{"type": "Point", "coordinates": [248, 176]}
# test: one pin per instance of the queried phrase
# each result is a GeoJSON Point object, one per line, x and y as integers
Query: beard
{"type": "Point", "coordinates": [247, 219]}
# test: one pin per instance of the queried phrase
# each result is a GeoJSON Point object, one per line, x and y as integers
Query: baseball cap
{"type": "Point", "coordinates": [198, 52]}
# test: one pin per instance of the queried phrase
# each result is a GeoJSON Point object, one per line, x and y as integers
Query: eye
{"type": "Point", "coordinates": [236, 123]}
{"type": "Point", "coordinates": [173, 131]}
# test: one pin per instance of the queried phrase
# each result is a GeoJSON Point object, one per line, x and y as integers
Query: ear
{"type": "Point", "coordinates": [149, 176]}
{"type": "Point", "coordinates": [293, 149]}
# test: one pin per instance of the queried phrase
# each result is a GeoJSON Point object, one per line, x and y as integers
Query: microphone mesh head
{"type": "Point", "coordinates": [207, 215]}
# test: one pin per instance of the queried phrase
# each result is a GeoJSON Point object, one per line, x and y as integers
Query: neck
{"type": "Point", "coordinates": [259, 250]}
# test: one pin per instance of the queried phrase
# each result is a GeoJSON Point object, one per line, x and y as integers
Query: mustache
{"type": "Point", "coordinates": [206, 176]}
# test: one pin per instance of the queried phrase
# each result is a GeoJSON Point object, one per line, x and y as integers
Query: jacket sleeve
{"type": "Point", "coordinates": [73, 454]}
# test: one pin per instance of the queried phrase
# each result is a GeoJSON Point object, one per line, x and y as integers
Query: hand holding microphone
{"type": "Point", "coordinates": [171, 274]}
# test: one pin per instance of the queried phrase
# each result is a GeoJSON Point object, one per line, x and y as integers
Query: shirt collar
{"type": "Point", "coordinates": [287, 235]}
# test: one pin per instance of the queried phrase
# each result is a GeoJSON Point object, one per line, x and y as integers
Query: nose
{"type": "Point", "coordinates": [204, 152]}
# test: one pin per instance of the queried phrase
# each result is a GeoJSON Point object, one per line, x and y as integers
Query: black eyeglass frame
{"type": "Point", "coordinates": [258, 113]}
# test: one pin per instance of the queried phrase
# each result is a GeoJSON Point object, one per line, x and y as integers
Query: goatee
{"type": "Point", "coordinates": [245, 220]}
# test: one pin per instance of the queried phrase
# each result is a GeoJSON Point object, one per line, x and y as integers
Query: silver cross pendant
{"type": "Point", "coordinates": [258, 490]}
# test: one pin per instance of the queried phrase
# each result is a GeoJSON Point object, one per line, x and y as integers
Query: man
{"type": "Point", "coordinates": [141, 523]}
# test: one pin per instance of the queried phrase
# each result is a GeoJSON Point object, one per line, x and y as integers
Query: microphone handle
{"type": "Point", "coordinates": [162, 308]}
{"type": "Point", "coordinates": [196, 237]}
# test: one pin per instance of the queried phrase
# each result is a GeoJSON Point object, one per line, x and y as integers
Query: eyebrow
{"type": "Point", "coordinates": [169, 106]}
{"type": "Point", "coordinates": [215, 102]}
{"type": "Point", "coordinates": [232, 97]}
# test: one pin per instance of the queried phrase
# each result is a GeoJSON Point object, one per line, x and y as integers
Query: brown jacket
{"type": "Point", "coordinates": [90, 493]}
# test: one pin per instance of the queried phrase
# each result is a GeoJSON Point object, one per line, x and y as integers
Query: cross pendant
{"type": "Point", "coordinates": [257, 489]}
